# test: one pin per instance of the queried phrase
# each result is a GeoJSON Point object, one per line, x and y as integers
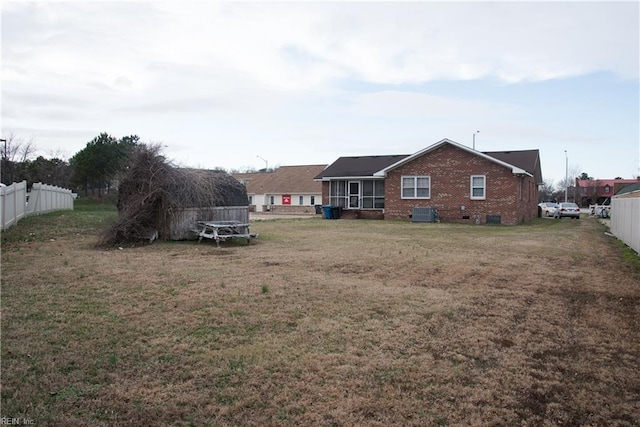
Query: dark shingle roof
{"type": "Point", "coordinates": [359, 166]}
{"type": "Point", "coordinates": [364, 166]}
{"type": "Point", "coordinates": [629, 189]}
{"type": "Point", "coordinates": [529, 160]}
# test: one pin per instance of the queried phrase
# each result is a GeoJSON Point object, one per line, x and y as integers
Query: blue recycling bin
{"type": "Point", "coordinates": [327, 212]}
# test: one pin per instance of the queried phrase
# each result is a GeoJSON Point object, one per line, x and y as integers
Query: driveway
{"type": "Point", "coordinates": [265, 216]}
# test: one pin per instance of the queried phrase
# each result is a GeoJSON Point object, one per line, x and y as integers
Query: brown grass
{"type": "Point", "coordinates": [330, 323]}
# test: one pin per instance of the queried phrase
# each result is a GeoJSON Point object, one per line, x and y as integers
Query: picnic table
{"type": "Point", "coordinates": [223, 230]}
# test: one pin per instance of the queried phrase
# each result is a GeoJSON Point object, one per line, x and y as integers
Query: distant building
{"type": "Point", "coordinates": [288, 189]}
{"type": "Point", "coordinates": [598, 191]}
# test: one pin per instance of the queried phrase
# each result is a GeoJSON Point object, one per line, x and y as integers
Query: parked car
{"type": "Point", "coordinates": [569, 210]}
{"type": "Point", "coordinates": [547, 208]}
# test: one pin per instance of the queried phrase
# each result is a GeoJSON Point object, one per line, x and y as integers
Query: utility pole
{"type": "Point", "coordinates": [4, 157]}
{"type": "Point", "coordinates": [566, 175]}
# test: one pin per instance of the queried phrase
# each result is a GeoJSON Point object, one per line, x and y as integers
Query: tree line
{"type": "Point", "coordinates": [91, 170]}
{"type": "Point", "coordinates": [95, 168]}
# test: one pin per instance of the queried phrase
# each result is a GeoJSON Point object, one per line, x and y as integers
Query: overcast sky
{"type": "Point", "coordinates": [220, 83]}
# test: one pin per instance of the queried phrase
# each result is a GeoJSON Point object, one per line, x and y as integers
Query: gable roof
{"type": "Point", "coordinates": [602, 182]}
{"type": "Point", "coordinates": [529, 160]}
{"type": "Point", "coordinates": [631, 188]}
{"type": "Point", "coordinates": [284, 180]}
{"type": "Point", "coordinates": [514, 169]}
{"type": "Point", "coordinates": [359, 166]}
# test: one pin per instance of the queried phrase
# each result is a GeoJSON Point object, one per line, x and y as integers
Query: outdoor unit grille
{"type": "Point", "coordinates": [423, 215]}
{"type": "Point", "coordinates": [493, 219]}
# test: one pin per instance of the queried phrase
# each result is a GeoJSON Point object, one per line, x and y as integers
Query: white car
{"type": "Point", "coordinates": [570, 210]}
{"type": "Point", "coordinates": [548, 209]}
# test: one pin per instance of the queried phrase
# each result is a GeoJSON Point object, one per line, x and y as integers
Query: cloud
{"type": "Point", "coordinates": [308, 46]}
{"type": "Point", "coordinates": [327, 76]}
{"type": "Point", "coordinates": [391, 104]}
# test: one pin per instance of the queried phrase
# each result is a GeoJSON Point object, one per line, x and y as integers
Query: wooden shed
{"type": "Point", "coordinates": [183, 220]}
{"type": "Point", "coordinates": [159, 200]}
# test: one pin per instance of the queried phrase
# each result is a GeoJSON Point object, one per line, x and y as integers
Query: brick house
{"type": "Point", "coordinates": [462, 184]}
{"type": "Point", "coordinates": [288, 189]}
{"type": "Point", "coordinates": [599, 191]}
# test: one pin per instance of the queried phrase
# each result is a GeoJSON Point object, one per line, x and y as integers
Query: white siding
{"type": "Point", "coordinates": [625, 219]}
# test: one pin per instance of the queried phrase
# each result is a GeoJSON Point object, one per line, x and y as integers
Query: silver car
{"type": "Point", "coordinates": [569, 210]}
{"type": "Point", "coordinates": [547, 208]}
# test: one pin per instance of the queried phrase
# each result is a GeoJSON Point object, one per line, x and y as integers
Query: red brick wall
{"type": "Point", "coordinates": [362, 214]}
{"type": "Point", "coordinates": [325, 192]}
{"type": "Point", "coordinates": [450, 169]}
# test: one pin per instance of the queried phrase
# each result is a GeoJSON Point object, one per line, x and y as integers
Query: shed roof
{"type": "Point", "coordinates": [631, 188]}
{"type": "Point", "coordinates": [284, 180]}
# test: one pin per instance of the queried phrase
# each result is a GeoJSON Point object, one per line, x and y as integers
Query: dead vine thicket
{"type": "Point", "coordinates": [152, 188]}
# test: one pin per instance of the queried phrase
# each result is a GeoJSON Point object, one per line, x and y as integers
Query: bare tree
{"type": "Point", "coordinates": [15, 153]}
{"type": "Point", "coordinates": [547, 191]}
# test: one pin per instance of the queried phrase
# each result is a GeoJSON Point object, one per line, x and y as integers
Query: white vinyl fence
{"type": "Point", "coordinates": [42, 198]}
{"type": "Point", "coordinates": [13, 204]}
{"type": "Point", "coordinates": [625, 219]}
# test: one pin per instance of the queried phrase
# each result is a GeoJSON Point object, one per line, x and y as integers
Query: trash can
{"type": "Point", "coordinates": [327, 212]}
{"type": "Point", "coordinates": [336, 212]}
{"type": "Point", "coordinates": [318, 209]}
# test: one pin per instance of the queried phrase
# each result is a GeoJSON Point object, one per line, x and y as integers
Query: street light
{"type": "Point", "coordinates": [266, 164]}
{"type": "Point", "coordinates": [566, 175]}
{"type": "Point", "coordinates": [474, 139]}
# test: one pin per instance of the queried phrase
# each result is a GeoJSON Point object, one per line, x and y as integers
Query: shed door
{"type": "Point", "coordinates": [354, 194]}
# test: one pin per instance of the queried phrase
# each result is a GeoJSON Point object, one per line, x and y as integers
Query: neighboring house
{"type": "Point", "coordinates": [599, 191]}
{"type": "Point", "coordinates": [288, 189]}
{"type": "Point", "coordinates": [462, 184]}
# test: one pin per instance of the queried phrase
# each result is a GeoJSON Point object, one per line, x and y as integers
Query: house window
{"type": "Point", "coordinates": [338, 193]}
{"type": "Point", "coordinates": [607, 188]}
{"type": "Point", "coordinates": [313, 200]}
{"type": "Point", "coordinates": [301, 200]}
{"type": "Point", "coordinates": [364, 194]}
{"type": "Point", "coordinates": [272, 200]}
{"type": "Point", "coordinates": [372, 194]}
{"type": "Point", "coordinates": [250, 200]}
{"type": "Point", "coordinates": [478, 187]}
{"type": "Point", "coordinates": [416, 187]}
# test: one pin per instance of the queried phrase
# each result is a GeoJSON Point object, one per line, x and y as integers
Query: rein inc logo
{"type": "Point", "coordinates": [8, 421]}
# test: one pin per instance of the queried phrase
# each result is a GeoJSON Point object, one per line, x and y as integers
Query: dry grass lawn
{"type": "Point", "coordinates": [322, 323]}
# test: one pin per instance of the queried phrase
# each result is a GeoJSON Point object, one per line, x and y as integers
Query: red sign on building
{"type": "Point", "coordinates": [286, 199]}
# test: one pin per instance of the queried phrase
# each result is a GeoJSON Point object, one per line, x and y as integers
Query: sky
{"type": "Point", "coordinates": [252, 84]}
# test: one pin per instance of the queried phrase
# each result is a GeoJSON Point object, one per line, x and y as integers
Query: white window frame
{"type": "Point", "coordinates": [340, 200]}
{"type": "Point", "coordinates": [376, 198]}
{"type": "Point", "coordinates": [415, 186]}
{"type": "Point", "coordinates": [484, 187]}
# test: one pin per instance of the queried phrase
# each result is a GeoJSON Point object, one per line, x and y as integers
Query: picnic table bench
{"type": "Point", "coordinates": [223, 230]}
